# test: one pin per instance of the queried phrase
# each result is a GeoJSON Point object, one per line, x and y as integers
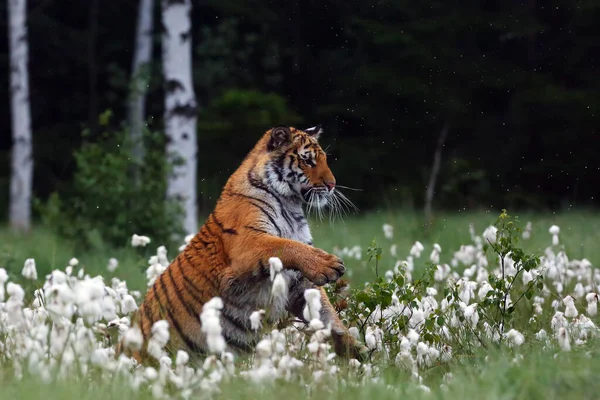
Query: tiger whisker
{"type": "Point", "coordinates": [349, 188]}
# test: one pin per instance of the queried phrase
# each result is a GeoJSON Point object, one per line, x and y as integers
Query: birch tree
{"type": "Point", "coordinates": [21, 160]}
{"type": "Point", "coordinates": [180, 105]}
{"type": "Point", "coordinates": [140, 76]}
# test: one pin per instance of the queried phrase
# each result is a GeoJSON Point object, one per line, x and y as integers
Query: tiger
{"type": "Point", "coordinates": [260, 214]}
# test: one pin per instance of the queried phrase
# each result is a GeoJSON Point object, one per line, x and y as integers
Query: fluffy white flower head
{"type": "Point", "coordinates": [388, 231]}
{"type": "Point", "coordinates": [139, 241]}
{"type": "Point", "coordinates": [490, 234]}
{"type": "Point", "coordinates": [29, 270]}
{"type": "Point", "coordinates": [275, 267]}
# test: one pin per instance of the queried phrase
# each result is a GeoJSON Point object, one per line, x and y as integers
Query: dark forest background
{"type": "Point", "coordinates": [516, 84]}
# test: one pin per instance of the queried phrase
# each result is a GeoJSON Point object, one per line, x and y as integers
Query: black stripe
{"type": "Point", "coordinates": [271, 219]}
{"type": "Point", "coordinates": [199, 270]}
{"type": "Point", "coordinates": [162, 312]}
{"type": "Point", "coordinates": [204, 242]}
{"type": "Point", "coordinates": [256, 229]}
{"type": "Point", "coordinates": [195, 291]}
{"type": "Point", "coordinates": [245, 347]}
{"type": "Point", "coordinates": [298, 217]}
{"type": "Point", "coordinates": [149, 317]}
{"type": "Point", "coordinates": [232, 193]}
{"type": "Point", "coordinates": [230, 231]}
{"type": "Point", "coordinates": [259, 185]}
{"type": "Point", "coordinates": [211, 233]}
{"type": "Point", "coordinates": [240, 325]}
{"type": "Point", "coordinates": [286, 216]}
{"type": "Point", "coordinates": [181, 299]}
{"type": "Point", "coordinates": [175, 324]}
{"type": "Point", "coordinates": [279, 172]}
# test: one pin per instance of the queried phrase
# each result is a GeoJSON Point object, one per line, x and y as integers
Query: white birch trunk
{"type": "Point", "coordinates": [21, 159]}
{"type": "Point", "coordinates": [180, 105]}
{"type": "Point", "coordinates": [140, 76]}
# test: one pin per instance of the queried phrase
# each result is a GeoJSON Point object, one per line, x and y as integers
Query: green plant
{"type": "Point", "coordinates": [441, 310]}
{"type": "Point", "coordinates": [506, 286]}
{"type": "Point", "coordinates": [103, 205]}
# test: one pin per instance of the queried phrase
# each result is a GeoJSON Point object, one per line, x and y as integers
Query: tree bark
{"type": "Point", "coordinates": [435, 169]}
{"type": "Point", "coordinates": [180, 106]}
{"type": "Point", "coordinates": [139, 79]}
{"type": "Point", "coordinates": [22, 159]}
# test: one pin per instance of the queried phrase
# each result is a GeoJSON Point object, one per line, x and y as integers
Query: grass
{"type": "Point", "coordinates": [580, 231]}
{"type": "Point", "coordinates": [493, 376]}
{"type": "Point", "coordinates": [541, 373]}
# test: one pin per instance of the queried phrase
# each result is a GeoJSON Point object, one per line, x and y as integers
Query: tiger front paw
{"type": "Point", "coordinates": [324, 268]}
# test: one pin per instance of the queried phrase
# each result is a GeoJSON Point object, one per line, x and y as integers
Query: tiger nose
{"type": "Point", "coordinates": [330, 185]}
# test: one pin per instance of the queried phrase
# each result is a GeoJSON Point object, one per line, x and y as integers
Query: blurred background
{"type": "Point", "coordinates": [507, 94]}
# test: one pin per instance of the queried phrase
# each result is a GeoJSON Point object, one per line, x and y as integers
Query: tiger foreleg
{"type": "Point", "coordinates": [315, 264]}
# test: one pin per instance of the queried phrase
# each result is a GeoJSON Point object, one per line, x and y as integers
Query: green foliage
{"type": "Point", "coordinates": [505, 287]}
{"type": "Point", "coordinates": [103, 205]}
{"type": "Point", "coordinates": [390, 302]}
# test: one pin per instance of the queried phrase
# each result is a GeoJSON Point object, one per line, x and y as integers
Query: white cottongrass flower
{"type": "Point", "coordinates": [470, 313]}
{"type": "Point", "coordinates": [527, 231]}
{"type": "Point", "coordinates": [416, 249]}
{"type": "Point", "coordinates": [435, 254]}
{"type": "Point", "coordinates": [3, 280]}
{"type": "Point", "coordinates": [159, 338]}
{"type": "Point", "coordinates": [279, 289]}
{"type": "Point", "coordinates": [312, 308]}
{"type": "Point", "coordinates": [388, 231]}
{"type": "Point", "coordinates": [490, 234]}
{"type": "Point", "coordinates": [139, 241]}
{"type": "Point", "coordinates": [154, 270]}
{"type": "Point", "coordinates": [592, 307]}
{"type": "Point", "coordinates": [112, 265]}
{"type": "Point", "coordinates": [211, 325]}
{"type": "Point", "coordinates": [558, 321]}
{"type": "Point", "coordinates": [563, 339]}
{"type": "Point", "coordinates": [413, 336]}
{"type": "Point", "coordinates": [578, 290]}
{"type": "Point", "coordinates": [514, 338]}
{"type": "Point", "coordinates": [186, 241]}
{"type": "Point", "coordinates": [128, 304]}
{"type": "Point", "coordinates": [570, 309]}
{"type": "Point", "coordinates": [483, 290]}
{"type": "Point", "coordinates": [541, 335]}
{"type": "Point", "coordinates": [394, 250]}
{"type": "Point", "coordinates": [182, 357]}
{"type": "Point", "coordinates": [73, 262]}
{"type": "Point", "coordinates": [554, 231]}
{"type": "Point", "coordinates": [275, 267]}
{"type": "Point", "coordinates": [133, 339]}
{"type": "Point", "coordinates": [29, 271]}
{"type": "Point", "coordinates": [256, 319]}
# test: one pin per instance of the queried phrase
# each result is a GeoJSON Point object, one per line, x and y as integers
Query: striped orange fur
{"type": "Point", "coordinates": [258, 215]}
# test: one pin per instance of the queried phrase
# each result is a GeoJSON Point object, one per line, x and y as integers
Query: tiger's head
{"type": "Point", "coordinates": [297, 166]}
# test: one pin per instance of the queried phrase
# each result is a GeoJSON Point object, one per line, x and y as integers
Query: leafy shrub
{"type": "Point", "coordinates": [105, 203]}
{"type": "Point", "coordinates": [439, 306]}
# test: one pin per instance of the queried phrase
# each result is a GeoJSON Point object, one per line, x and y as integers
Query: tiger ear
{"type": "Point", "coordinates": [315, 131]}
{"type": "Point", "coordinates": [280, 136]}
